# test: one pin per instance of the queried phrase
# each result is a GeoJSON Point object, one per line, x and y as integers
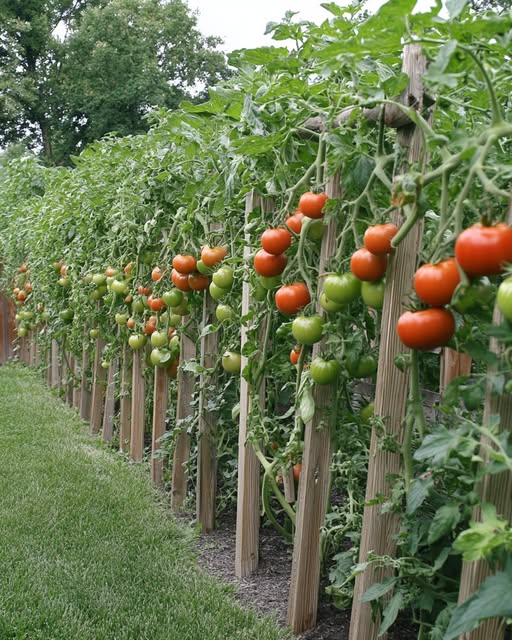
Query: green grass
{"type": "Point", "coordinates": [86, 550]}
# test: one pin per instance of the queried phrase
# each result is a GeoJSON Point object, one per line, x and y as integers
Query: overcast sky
{"type": "Point", "coordinates": [242, 24]}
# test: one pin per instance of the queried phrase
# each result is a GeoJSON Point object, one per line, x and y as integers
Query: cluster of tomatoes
{"type": "Point", "coordinates": [480, 250]}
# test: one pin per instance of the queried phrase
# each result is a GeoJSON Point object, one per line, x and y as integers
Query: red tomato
{"type": "Point", "coordinates": [426, 329]}
{"type": "Point", "coordinates": [64, 270]}
{"type": "Point", "coordinates": [180, 280]}
{"type": "Point", "coordinates": [294, 222]}
{"type": "Point", "coordinates": [156, 274]}
{"type": "Point", "coordinates": [28, 287]}
{"type": "Point", "coordinates": [292, 297]}
{"type": "Point", "coordinates": [22, 296]}
{"type": "Point", "coordinates": [311, 204]}
{"type": "Point", "coordinates": [110, 272]}
{"type": "Point", "coordinates": [128, 268]}
{"type": "Point", "coordinates": [367, 266]}
{"type": "Point", "coordinates": [276, 241]}
{"type": "Point", "coordinates": [155, 304]}
{"type": "Point", "coordinates": [266, 264]}
{"type": "Point", "coordinates": [435, 283]}
{"type": "Point", "coordinates": [23, 268]}
{"type": "Point", "coordinates": [144, 291]}
{"type": "Point", "coordinates": [297, 470]}
{"type": "Point", "coordinates": [198, 281]}
{"type": "Point", "coordinates": [481, 251]}
{"type": "Point", "coordinates": [213, 255]}
{"type": "Point", "coordinates": [295, 355]}
{"type": "Point", "coordinates": [377, 239]}
{"type": "Point", "coordinates": [184, 263]}
{"type": "Point", "coordinates": [130, 323]}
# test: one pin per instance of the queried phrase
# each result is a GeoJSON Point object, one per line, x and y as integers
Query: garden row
{"type": "Point", "coordinates": [211, 293]}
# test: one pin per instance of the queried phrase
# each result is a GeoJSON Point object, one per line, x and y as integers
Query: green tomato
{"type": "Point", "coordinates": [259, 293]}
{"type": "Point", "coordinates": [324, 371]}
{"type": "Point", "coordinates": [147, 257]}
{"type": "Point", "coordinates": [22, 332]}
{"type": "Point", "coordinates": [120, 287]}
{"type": "Point", "coordinates": [173, 298]}
{"type": "Point", "coordinates": [315, 230]}
{"type": "Point", "coordinates": [159, 339]}
{"type": "Point", "coordinates": [174, 345]}
{"type": "Point", "coordinates": [363, 366]}
{"type": "Point", "coordinates": [66, 314]}
{"type": "Point", "coordinates": [328, 304]}
{"type": "Point", "coordinates": [271, 282]}
{"type": "Point", "coordinates": [160, 357]}
{"type": "Point", "coordinates": [224, 312]}
{"type": "Point", "coordinates": [474, 298]}
{"type": "Point", "coordinates": [138, 305]}
{"type": "Point", "coordinates": [504, 298]}
{"type": "Point", "coordinates": [94, 333]}
{"type": "Point", "coordinates": [223, 277]}
{"type": "Point", "coordinates": [342, 288]}
{"type": "Point", "coordinates": [99, 279]}
{"type": "Point", "coordinates": [231, 362]}
{"type": "Point", "coordinates": [121, 319]}
{"type": "Point", "coordinates": [307, 329]}
{"type": "Point", "coordinates": [373, 294]}
{"type": "Point", "coordinates": [65, 281]}
{"type": "Point", "coordinates": [136, 341]}
{"type": "Point", "coordinates": [216, 292]}
{"type": "Point", "coordinates": [366, 413]}
{"type": "Point", "coordinates": [202, 268]}
{"type": "Point", "coordinates": [105, 364]}
{"type": "Point", "coordinates": [98, 293]}
{"type": "Point", "coordinates": [87, 278]}
{"type": "Point", "coordinates": [174, 320]}
{"type": "Point", "coordinates": [181, 310]}
{"type": "Point", "coordinates": [45, 316]}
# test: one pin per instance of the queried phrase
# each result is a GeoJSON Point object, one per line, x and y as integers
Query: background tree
{"type": "Point", "coordinates": [113, 62]}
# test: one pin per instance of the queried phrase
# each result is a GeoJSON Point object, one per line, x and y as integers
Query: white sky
{"type": "Point", "coordinates": [242, 24]}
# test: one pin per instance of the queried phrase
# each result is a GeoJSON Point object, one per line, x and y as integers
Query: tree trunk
{"type": "Point", "coordinates": [47, 143]}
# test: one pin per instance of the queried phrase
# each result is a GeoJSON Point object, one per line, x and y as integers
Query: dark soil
{"type": "Point", "coordinates": [266, 590]}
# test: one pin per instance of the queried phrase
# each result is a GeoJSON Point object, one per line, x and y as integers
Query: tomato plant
{"type": "Point", "coordinates": [292, 298]}
{"type": "Point", "coordinates": [426, 329]}
{"type": "Point", "coordinates": [436, 283]}
{"type": "Point", "coordinates": [482, 250]}
{"type": "Point", "coordinates": [377, 239]}
{"type": "Point", "coordinates": [210, 256]}
{"type": "Point", "coordinates": [184, 264]}
{"type": "Point", "coordinates": [276, 241]}
{"type": "Point", "coordinates": [268, 265]}
{"type": "Point", "coordinates": [367, 266]}
{"type": "Point", "coordinates": [312, 204]}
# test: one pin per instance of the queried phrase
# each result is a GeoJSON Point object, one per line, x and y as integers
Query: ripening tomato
{"type": "Point", "coordinates": [128, 268]}
{"type": "Point", "coordinates": [130, 323]}
{"type": "Point", "coordinates": [28, 287]}
{"type": "Point", "coordinates": [311, 204]}
{"type": "Point", "coordinates": [184, 263]}
{"type": "Point", "coordinates": [155, 304]}
{"type": "Point", "coordinates": [481, 250]}
{"type": "Point", "coordinates": [172, 369]}
{"type": "Point", "coordinates": [149, 327]}
{"type": "Point", "coordinates": [110, 272]}
{"type": "Point", "coordinates": [295, 355]}
{"type": "Point", "coordinates": [294, 222]}
{"type": "Point", "coordinates": [367, 266]}
{"type": "Point", "coordinates": [377, 239]}
{"type": "Point", "coordinates": [297, 470]}
{"type": "Point", "coordinates": [144, 291]}
{"type": "Point", "coordinates": [435, 283]}
{"type": "Point", "coordinates": [156, 274]}
{"type": "Point", "coordinates": [22, 296]}
{"type": "Point", "coordinates": [198, 281]}
{"type": "Point", "coordinates": [267, 264]}
{"type": "Point", "coordinates": [211, 256]}
{"type": "Point", "coordinates": [276, 241]}
{"type": "Point", "coordinates": [180, 280]}
{"type": "Point", "coordinates": [292, 297]}
{"type": "Point", "coordinates": [426, 329]}
{"type": "Point", "coordinates": [23, 268]}
{"type": "Point", "coordinates": [63, 270]}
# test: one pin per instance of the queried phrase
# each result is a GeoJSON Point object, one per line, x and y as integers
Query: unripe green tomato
{"type": "Point", "coordinates": [120, 287]}
{"type": "Point", "coordinates": [137, 341]}
{"type": "Point", "coordinates": [259, 293]}
{"type": "Point", "coordinates": [362, 367]}
{"type": "Point", "coordinates": [307, 329]}
{"type": "Point", "coordinates": [65, 281]}
{"type": "Point", "coordinates": [182, 309]}
{"type": "Point", "coordinates": [173, 297]}
{"type": "Point", "coordinates": [94, 333]}
{"type": "Point", "coordinates": [32, 326]}
{"type": "Point", "coordinates": [66, 314]}
{"type": "Point", "coordinates": [315, 230]}
{"type": "Point", "coordinates": [45, 316]}
{"type": "Point", "coordinates": [22, 332]}
{"type": "Point", "coordinates": [329, 305]}
{"type": "Point", "coordinates": [109, 281]}
{"type": "Point", "coordinates": [98, 293]}
{"type": "Point", "coordinates": [342, 288]}
{"type": "Point", "coordinates": [202, 268]}
{"type": "Point", "coordinates": [372, 293]}
{"type": "Point", "coordinates": [105, 364]}
{"type": "Point", "coordinates": [138, 305]}
{"type": "Point", "coordinates": [174, 345]}
{"type": "Point", "coordinates": [18, 317]}
{"type": "Point", "coordinates": [504, 298]}
{"type": "Point", "coordinates": [121, 318]}
{"type": "Point", "coordinates": [99, 279]}
{"type": "Point", "coordinates": [160, 357]}
{"type": "Point", "coordinates": [224, 312]}
{"type": "Point", "coordinates": [87, 278]}
{"type": "Point", "coordinates": [324, 371]}
{"type": "Point", "coordinates": [175, 320]}
{"type": "Point", "coordinates": [231, 362]}
{"type": "Point", "coordinates": [216, 292]}
{"type": "Point", "coordinates": [271, 282]}
{"type": "Point", "coordinates": [366, 412]}
{"type": "Point", "coordinates": [159, 339]}
{"type": "Point", "coordinates": [223, 277]}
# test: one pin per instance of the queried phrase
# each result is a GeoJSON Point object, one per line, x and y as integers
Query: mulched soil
{"type": "Point", "coordinates": [266, 590]}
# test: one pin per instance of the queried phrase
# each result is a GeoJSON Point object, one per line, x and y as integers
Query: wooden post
{"type": "Point", "coordinates": [207, 453]}
{"type": "Point", "coordinates": [315, 476]}
{"type": "Point", "coordinates": [453, 364]}
{"type": "Point", "coordinates": [160, 396]}
{"type": "Point", "coordinates": [137, 410]}
{"type": "Point", "coordinates": [379, 530]}
{"type": "Point", "coordinates": [125, 411]}
{"type": "Point", "coordinates": [288, 484]}
{"type": "Point", "coordinates": [110, 401]}
{"type": "Point", "coordinates": [32, 349]}
{"type": "Point", "coordinates": [76, 388]}
{"type": "Point", "coordinates": [49, 360]}
{"type": "Point", "coordinates": [85, 393]}
{"type": "Point", "coordinates": [55, 377]}
{"type": "Point", "coordinates": [98, 388]}
{"type": "Point", "coordinates": [68, 368]}
{"type": "Point", "coordinates": [183, 410]}
{"type": "Point", "coordinates": [248, 500]}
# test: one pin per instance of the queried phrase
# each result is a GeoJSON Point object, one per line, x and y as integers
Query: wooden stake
{"type": "Point", "coordinates": [76, 387]}
{"type": "Point", "coordinates": [137, 411]}
{"type": "Point", "coordinates": [55, 374]}
{"type": "Point", "coordinates": [68, 367]}
{"type": "Point", "coordinates": [98, 388]}
{"type": "Point", "coordinates": [207, 453]}
{"type": "Point", "coordinates": [288, 485]}
{"type": "Point", "coordinates": [183, 410]}
{"type": "Point", "coordinates": [315, 476]}
{"type": "Point", "coordinates": [453, 364]}
{"type": "Point", "coordinates": [161, 392]}
{"type": "Point", "coordinates": [85, 393]}
{"type": "Point", "coordinates": [248, 500]}
{"type": "Point", "coordinates": [379, 530]}
{"type": "Point", "coordinates": [125, 413]}
{"type": "Point", "coordinates": [110, 402]}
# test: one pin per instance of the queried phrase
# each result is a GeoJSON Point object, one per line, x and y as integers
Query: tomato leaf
{"type": "Point", "coordinates": [445, 519]}
{"type": "Point", "coordinates": [378, 590]}
{"type": "Point", "coordinates": [391, 612]}
{"type": "Point", "coordinates": [307, 404]}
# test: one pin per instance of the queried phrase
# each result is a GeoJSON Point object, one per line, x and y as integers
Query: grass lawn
{"type": "Point", "coordinates": [86, 550]}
